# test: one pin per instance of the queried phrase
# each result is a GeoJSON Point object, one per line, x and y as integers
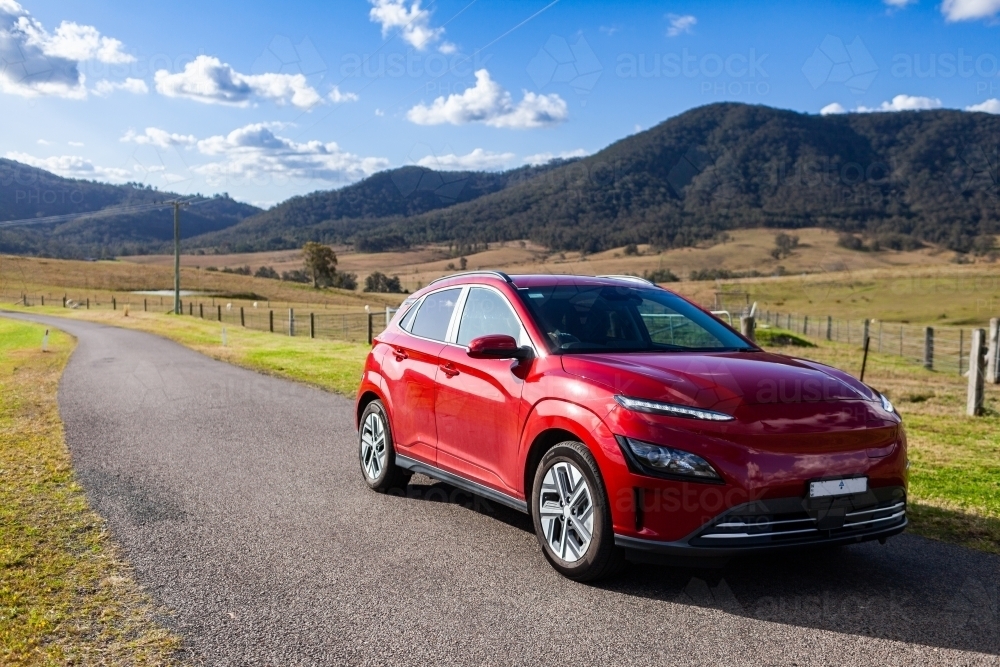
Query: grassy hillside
{"type": "Point", "coordinates": [27, 192]}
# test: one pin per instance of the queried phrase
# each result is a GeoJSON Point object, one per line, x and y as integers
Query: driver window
{"type": "Point", "coordinates": [486, 313]}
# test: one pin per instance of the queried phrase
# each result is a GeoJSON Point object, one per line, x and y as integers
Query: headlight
{"type": "Point", "coordinates": [886, 404]}
{"type": "Point", "coordinates": [670, 460]}
{"type": "Point", "coordinates": [655, 407]}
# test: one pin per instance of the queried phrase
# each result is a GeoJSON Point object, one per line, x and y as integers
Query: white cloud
{"type": "Point", "coordinates": [134, 86]}
{"type": "Point", "coordinates": [34, 62]}
{"type": "Point", "coordinates": [488, 103]}
{"type": "Point", "coordinates": [414, 24]}
{"type": "Point", "coordinates": [207, 79]}
{"type": "Point", "coordinates": [477, 160]}
{"type": "Point", "coordinates": [44, 142]}
{"type": "Point", "coordinates": [72, 166]}
{"type": "Point", "coordinates": [338, 97]}
{"type": "Point", "coordinates": [379, 112]}
{"type": "Point", "coordinates": [154, 136]}
{"type": "Point", "coordinates": [899, 4]}
{"type": "Point", "coordinates": [969, 10]}
{"type": "Point", "coordinates": [904, 103]}
{"type": "Point", "coordinates": [832, 108]}
{"type": "Point", "coordinates": [989, 106]}
{"type": "Point", "coordinates": [680, 24]}
{"type": "Point", "coordinates": [542, 158]}
{"type": "Point", "coordinates": [254, 152]}
{"type": "Point", "coordinates": [447, 48]}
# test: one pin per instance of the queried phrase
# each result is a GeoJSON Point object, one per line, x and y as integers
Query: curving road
{"type": "Point", "coordinates": [238, 500]}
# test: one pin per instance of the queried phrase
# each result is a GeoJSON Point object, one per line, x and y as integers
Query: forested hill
{"type": "Point", "coordinates": [27, 192]}
{"type": "Point", "coordinates": [929, 175]}
{"type": "Point", "coordinates": [391, 195]}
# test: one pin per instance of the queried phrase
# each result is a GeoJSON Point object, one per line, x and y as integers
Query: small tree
{"type": "Point", "coordinates": [462, 263]}
{"type": "Point", "coordinates": [379, 282]}
{"type": "Point", "coordinates": [321, 263]}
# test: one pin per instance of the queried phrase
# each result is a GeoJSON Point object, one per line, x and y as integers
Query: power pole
{"type": "Point", "coordinates": [177, 255]}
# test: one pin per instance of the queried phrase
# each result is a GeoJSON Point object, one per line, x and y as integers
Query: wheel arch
{"type": "Point", "coordinates": [364, 400]}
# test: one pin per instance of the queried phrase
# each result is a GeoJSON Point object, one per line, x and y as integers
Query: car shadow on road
{"type": "Point", "coordinates": [430, 490]}
{"type": "Point", "coordinates": [912, 590]}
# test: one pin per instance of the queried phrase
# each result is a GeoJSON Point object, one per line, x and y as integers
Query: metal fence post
{"type": "Point", "coordinates": [961, 345]}
{"type": "Point", "coordinates": [291, 321]}
{"type": "Point", "coordinates": [977, 364]}
{"type": "Point", "coordinates": [312, 325]}
{"type": "Point", "coordinates": [805, 325]}
{"type": "Point", "coordinates": [864, 331]}
{"type": "Point", "coordinates": [829, 327]}
{"type": "Point", "coordinates": [929, 348]}
{"type": "Point", "coordinates": [993, 357]}
{"type": "Point", "coordinates": [747, 327]}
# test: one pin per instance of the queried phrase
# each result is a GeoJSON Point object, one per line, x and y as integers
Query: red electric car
{"type": "Point", "coordinates": [627, 421]}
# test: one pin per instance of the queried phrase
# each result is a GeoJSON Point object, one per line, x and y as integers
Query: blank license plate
{"type": "Point", "coordinates": [838, 487]}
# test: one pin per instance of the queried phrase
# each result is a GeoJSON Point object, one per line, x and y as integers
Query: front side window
{"type": "Point", "coordinates": [487, 313]}
{"type": "Point", "coordinates": [434, 314]}
{"type": "Point", "coordinates": [624, 319]}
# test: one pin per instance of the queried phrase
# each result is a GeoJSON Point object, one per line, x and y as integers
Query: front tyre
{"type": "Point", "coordinates": [377, 453]}
{"type": "Point", "coordinates": [569, 506]}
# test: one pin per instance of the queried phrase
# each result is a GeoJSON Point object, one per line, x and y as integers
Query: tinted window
{"type": "Point", "coordinates": [622, 319]}
{"type": "Point", "coordinates": [486, 312]}
{"type": "Point", "coordinates": [408, 317]}
{"type": "Point", "coordinates": [434, 315]}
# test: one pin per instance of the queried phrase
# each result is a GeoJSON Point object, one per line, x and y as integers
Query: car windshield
{"type": "Point", "coordinates": [587, 319]}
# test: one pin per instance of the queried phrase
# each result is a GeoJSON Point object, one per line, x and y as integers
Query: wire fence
{"type": "Point", "coordinates": [942, 348]}
{"type": "Point", "coordinates": [300, 320]}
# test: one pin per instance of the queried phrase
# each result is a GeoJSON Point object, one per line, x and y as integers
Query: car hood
{"type": "Point", "coordinates": [722, 381]}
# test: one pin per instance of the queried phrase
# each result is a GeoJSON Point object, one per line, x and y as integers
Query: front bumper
{"type": "Point", "coordinates": [783, 524]}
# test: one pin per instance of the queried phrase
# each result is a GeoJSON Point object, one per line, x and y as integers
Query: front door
{"type": "Point", "coordinates": [478, 400]}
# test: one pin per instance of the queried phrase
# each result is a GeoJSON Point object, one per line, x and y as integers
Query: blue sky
{"type": "Point", "coordinates": [269, 100]}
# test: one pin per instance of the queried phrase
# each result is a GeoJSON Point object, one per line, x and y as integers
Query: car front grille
{"type": "Point", "coordinates": [797, 520]}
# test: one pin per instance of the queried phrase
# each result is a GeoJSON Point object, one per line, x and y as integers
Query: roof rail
{"type": "Point", "coordinates": [632, 278]}
{"type": "Point", "coordinates": [496, 274]}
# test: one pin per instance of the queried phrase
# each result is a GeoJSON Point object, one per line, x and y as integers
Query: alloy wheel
{"type": "Point", "coordinates": [373, 446]}
{"type": "Point", "coordinates": [566, 511]}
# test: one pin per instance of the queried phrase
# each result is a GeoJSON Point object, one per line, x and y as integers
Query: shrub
{"type": "Point", "coordinates": [379, 282]}
{"type": "Point", "coordinates": [266, 272]}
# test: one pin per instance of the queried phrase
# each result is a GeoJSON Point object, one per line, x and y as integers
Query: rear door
{"type": "Point", "coordinates": [478, 400]}
{"type": "Point", "coordinates": [410, 369]}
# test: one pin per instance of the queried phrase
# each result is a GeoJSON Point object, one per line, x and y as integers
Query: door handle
{"type": "Point", "coordinates": [449, 370]}
{"type": "Point", "coordinates": [400, 354]}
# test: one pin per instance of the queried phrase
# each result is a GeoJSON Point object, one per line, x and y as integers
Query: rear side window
{"type": "Point", "coordinates": [434, 315]}
{"type": "Point", "coordinates": [407, 320]}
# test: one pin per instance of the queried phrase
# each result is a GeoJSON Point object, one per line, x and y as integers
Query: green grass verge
{"type": "Point", "coordinates": [66, 597]}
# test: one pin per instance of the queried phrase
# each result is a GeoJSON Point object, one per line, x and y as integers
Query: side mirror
{"type": "Point", "coordinates": [498, 346]}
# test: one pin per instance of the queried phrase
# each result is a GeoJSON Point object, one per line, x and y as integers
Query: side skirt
{"type": "Point", "coordinates": [461, 482]}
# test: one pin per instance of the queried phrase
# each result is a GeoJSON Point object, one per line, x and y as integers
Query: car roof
{"type": "Point", "coordinates": [533, 280]}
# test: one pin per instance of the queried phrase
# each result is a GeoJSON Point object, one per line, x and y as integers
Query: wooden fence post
{"type": "Point", "coordinates": [977, 366]}
{"type": "Point", "coordinates": [805, 325]}
{"type": "Point", "coordinates": [64, 301]}
{"type": "Point", "coordinates": [270, 320]}
{"type": "Point", "coordinates": [747, 327]}
{"type": "Point", "coordinates": [114, 304]}
{"type": "Point", "coordinates": [145, 306]}
{"type": "Point", "coordinates": [864, 332]}
{"type": "Point", "coordinates": [961, 347]}
{"type": "Point", "coordinates": [829, 327]}
{"type": "Point", "coordinates": [88, 303]}
{"type": "Point", "coordinates": [312, 325]}
{"type": "Point", "coordinates": [243, 321]}
{"type": "Point", "coordinates": [371, 327]}
{"type": "Point", "coordinates": [929, 348]}
{"type": "Point", "coordinates": [993, 357]}
{"type": "Point", "coordinates": [291, 321]}
{"type": "Point", "coordinates": [220, 312]}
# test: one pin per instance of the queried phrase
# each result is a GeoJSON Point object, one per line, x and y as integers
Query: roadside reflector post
{"type": "Point", "coordinates": [977, 366]}
{"type": "Point", "coordinates": [993, 356]}
{"type": "Point", "coordinates": [291, 321]}
{"type": "Point", "coordinates": [747, 327]}
{"type": "Point", "coordinates": [223, 336]}
{"type": "Point", "coordinates": [312, 325]}
{"type": "Point", "coordinates": [929, 348]}
{"type": "Point", "coordinates": [45, 341]}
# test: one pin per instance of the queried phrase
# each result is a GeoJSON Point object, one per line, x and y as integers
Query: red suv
{"type": "Point", "coordinates": [627, 421]}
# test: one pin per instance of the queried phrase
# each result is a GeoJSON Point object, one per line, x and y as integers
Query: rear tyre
{"type": "Point", "coordinates": [377, 453]}
{"type": "Point", "coordinates": [572, 517]}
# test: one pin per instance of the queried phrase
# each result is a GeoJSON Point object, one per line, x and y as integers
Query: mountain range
{"type": "Point", "coordinates": [921, 176]}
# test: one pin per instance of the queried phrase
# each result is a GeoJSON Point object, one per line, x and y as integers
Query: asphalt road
{"type": "Point", "coordinates": [239, 501]}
